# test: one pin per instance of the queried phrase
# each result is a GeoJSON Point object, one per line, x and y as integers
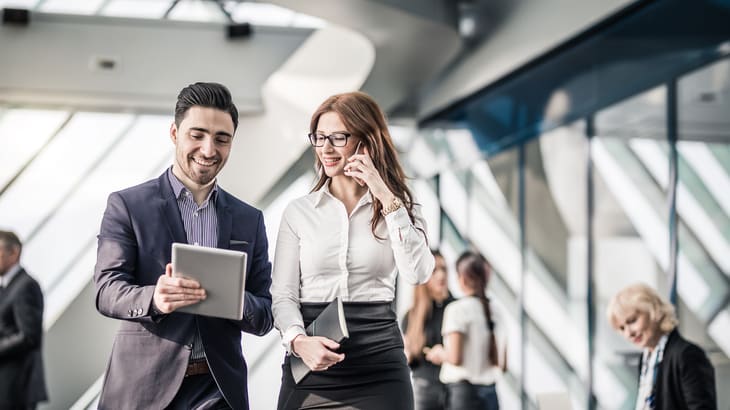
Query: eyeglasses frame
{"type": "Point", "coordinates": [329, 138]}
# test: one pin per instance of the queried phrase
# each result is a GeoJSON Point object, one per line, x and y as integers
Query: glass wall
{"type": "Point", "coordinates": [629, 152]}
{"type": "Point", "coordinates": [555, 282]}
{"type": "Point", "coordinates": [586, 208]}
{"type": "Point", "coordinates": [476, 203]}
{"type": "Point", "coordinates": [703, 213]}
{"type": "Point", "coordinates": [494, 231]}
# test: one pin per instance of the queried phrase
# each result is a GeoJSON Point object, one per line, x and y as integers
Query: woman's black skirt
{"type": "Point", "coordinates": [374, 374]}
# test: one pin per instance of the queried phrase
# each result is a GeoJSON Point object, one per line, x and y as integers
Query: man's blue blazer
{"type": "Point", "coordinates": [151, 352]}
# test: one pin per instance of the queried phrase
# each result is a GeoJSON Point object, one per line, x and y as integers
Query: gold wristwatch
{"type": "Point", "coordinates": [392, 207]}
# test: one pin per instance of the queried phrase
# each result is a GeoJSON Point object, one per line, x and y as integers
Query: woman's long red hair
{"type": "Point", "coordinates": [364, 119]}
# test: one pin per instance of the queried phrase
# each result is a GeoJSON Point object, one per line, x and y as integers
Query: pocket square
{"type": "Point", "coordinates": [235, 242]}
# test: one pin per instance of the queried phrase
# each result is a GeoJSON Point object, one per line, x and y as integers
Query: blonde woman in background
{"type": "Point", "coordinates": [422, 325]}
{"type": "Point", "coordinates": [673, 373]}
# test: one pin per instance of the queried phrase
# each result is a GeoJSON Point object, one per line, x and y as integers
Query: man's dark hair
{"type": "Point", "coordinates": [211, 95]}
{"type": "Point", "coordinates": [9, 240]}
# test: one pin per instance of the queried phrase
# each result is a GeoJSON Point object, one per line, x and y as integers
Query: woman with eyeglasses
{"type": "Point", "coordinates": [349, 238]}
{"type": "Point", "coordinates": [673, 372]}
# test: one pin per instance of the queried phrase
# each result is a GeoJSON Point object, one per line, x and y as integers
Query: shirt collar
{"type": "Point", "coordinates": [178, 187]}
{"type": "Point", "coordinates": [9, 275]}
{"type": "Point", "coordinates": [658, 352]}
{"type": "Point", "coordinates": [319, 195]}
{"type": "Point", "coordinates": [325, 191]}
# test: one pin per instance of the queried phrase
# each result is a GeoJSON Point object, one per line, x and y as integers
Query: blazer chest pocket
{"type": "Point", "coordinates": [238, 245]}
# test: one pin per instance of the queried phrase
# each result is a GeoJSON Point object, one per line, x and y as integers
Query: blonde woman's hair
{"type": "Point", "coordinates": [642, 298]}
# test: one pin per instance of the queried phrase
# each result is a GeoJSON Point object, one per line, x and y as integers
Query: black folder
{"type": "Point", "coordinates": [330, 324]}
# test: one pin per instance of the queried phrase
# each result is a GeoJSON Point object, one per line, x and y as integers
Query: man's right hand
{"type": "Point", "coordinates": [317, 352]}
{"type": "Point", "coordinates": [172, 293]}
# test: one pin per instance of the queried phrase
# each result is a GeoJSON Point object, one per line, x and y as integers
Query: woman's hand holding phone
{"type": "Point", "coordinates": [361, 167]}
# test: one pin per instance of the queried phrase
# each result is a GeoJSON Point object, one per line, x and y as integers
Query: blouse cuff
{"type": "Point", "coordinates": [398, 220]}
{"type": "Point", "coordinates": [289, 335]}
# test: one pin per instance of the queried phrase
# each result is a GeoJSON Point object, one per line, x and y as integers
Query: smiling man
{"type": "Point", "coordinates": [162, 358]}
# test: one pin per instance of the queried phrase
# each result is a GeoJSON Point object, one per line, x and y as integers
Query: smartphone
{"type": "Point", "coordinates": [357, 151]}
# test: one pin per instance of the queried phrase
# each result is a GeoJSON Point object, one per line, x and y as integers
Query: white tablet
{"type": "Point", "coordinates": [221, 272]}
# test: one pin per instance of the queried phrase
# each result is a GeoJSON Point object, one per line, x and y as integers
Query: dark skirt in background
{"type": "Point", "coordinates": [374, 374]}
{"type": "Point", "coordinates": [429, 394]}
{"type": "Point", "coordinates": [466, 396]}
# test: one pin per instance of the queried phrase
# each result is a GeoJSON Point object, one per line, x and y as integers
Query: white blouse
{"type": "Point", "coordinates": [650, 362]}
{"type": "Point", "coordinates": [322, 253]}
{"type": "Point", "coordinates": [466, 316]}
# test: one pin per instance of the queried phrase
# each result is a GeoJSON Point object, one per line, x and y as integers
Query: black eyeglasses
{"type": "Point", "coordinates": [337, 139]}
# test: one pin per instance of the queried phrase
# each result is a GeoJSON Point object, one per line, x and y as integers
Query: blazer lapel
{"type": "Point", "coordinates": [170, 209]}
{"type": "Point", "coordinates": [225, 220]}
{"type": "Point", "coordinates": [8, 292]}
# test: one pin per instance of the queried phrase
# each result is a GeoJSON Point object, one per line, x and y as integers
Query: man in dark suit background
{"type": "Point", "coordinates": [162, 358]}
{"type": "Point", "coordinates": [22, 382]}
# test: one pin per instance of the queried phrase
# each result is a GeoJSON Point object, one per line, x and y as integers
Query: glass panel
{"type": "Point", "coordinates": [493, 228]}
{"type": "Point", "coordinates": [198, 10]}
{"type": "Point", "coordinates": [270, 15]}
{"type": "Point", "coordinates": [494, 231]}
{"type": "Point", "coordinates": [631, 228]}
{"type": "Point", "coordinates": [422, 158]}
{"type": "Point", "coordinates": [22, 133]}
{"type": "Point", "coordinates": [63, 163]}
{"type": "Point", "coordinates": [452, 244]}
{"type": "Point", "coordinates": [477, 214]}
{"type": "Point", "coordinates": [402, 135]}
{"type": "Point", "coordinates": [453, 195]}
{"type": "Point", "coordinates": [462, 147]}
{"type": "Point", "coordinates": [71, 7]}
{"type": "Point", "coordinates": [53, 258]}
{"type": "Point", "coordinates": [556, 287]}
{"type": "Point", "coordinates": [262, 14]}
{"type": "Point", "coordinates": [703, 208]}
{"type": "Point", "coordinates": [425, 195]}
{"type": "Point", "coordinates": [152, 9]}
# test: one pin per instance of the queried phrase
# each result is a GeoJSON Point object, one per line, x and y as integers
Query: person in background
{"type": "Point", "coordinates": [350, 237]}
{"type": "Point", "coordinates": [162, 358]}
{"type": "Point", "coordinates": [422, 324]}
{"type": "Point", "coordinates": [673, 372]}
{"type": "Point", "coordinates": [470, 355]}
{"type": "Point", "coordinates": [22, 381]}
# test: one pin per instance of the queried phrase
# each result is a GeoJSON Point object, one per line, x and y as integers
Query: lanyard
{"type": "Point", "coordinates": [658, 354]}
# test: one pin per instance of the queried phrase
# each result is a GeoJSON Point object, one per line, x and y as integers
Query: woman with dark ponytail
{"type": "Point", "coordinates": [470, 355]}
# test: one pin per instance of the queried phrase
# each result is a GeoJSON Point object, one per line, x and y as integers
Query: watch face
{"type": "Point", "coordinates": [395, 204]}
